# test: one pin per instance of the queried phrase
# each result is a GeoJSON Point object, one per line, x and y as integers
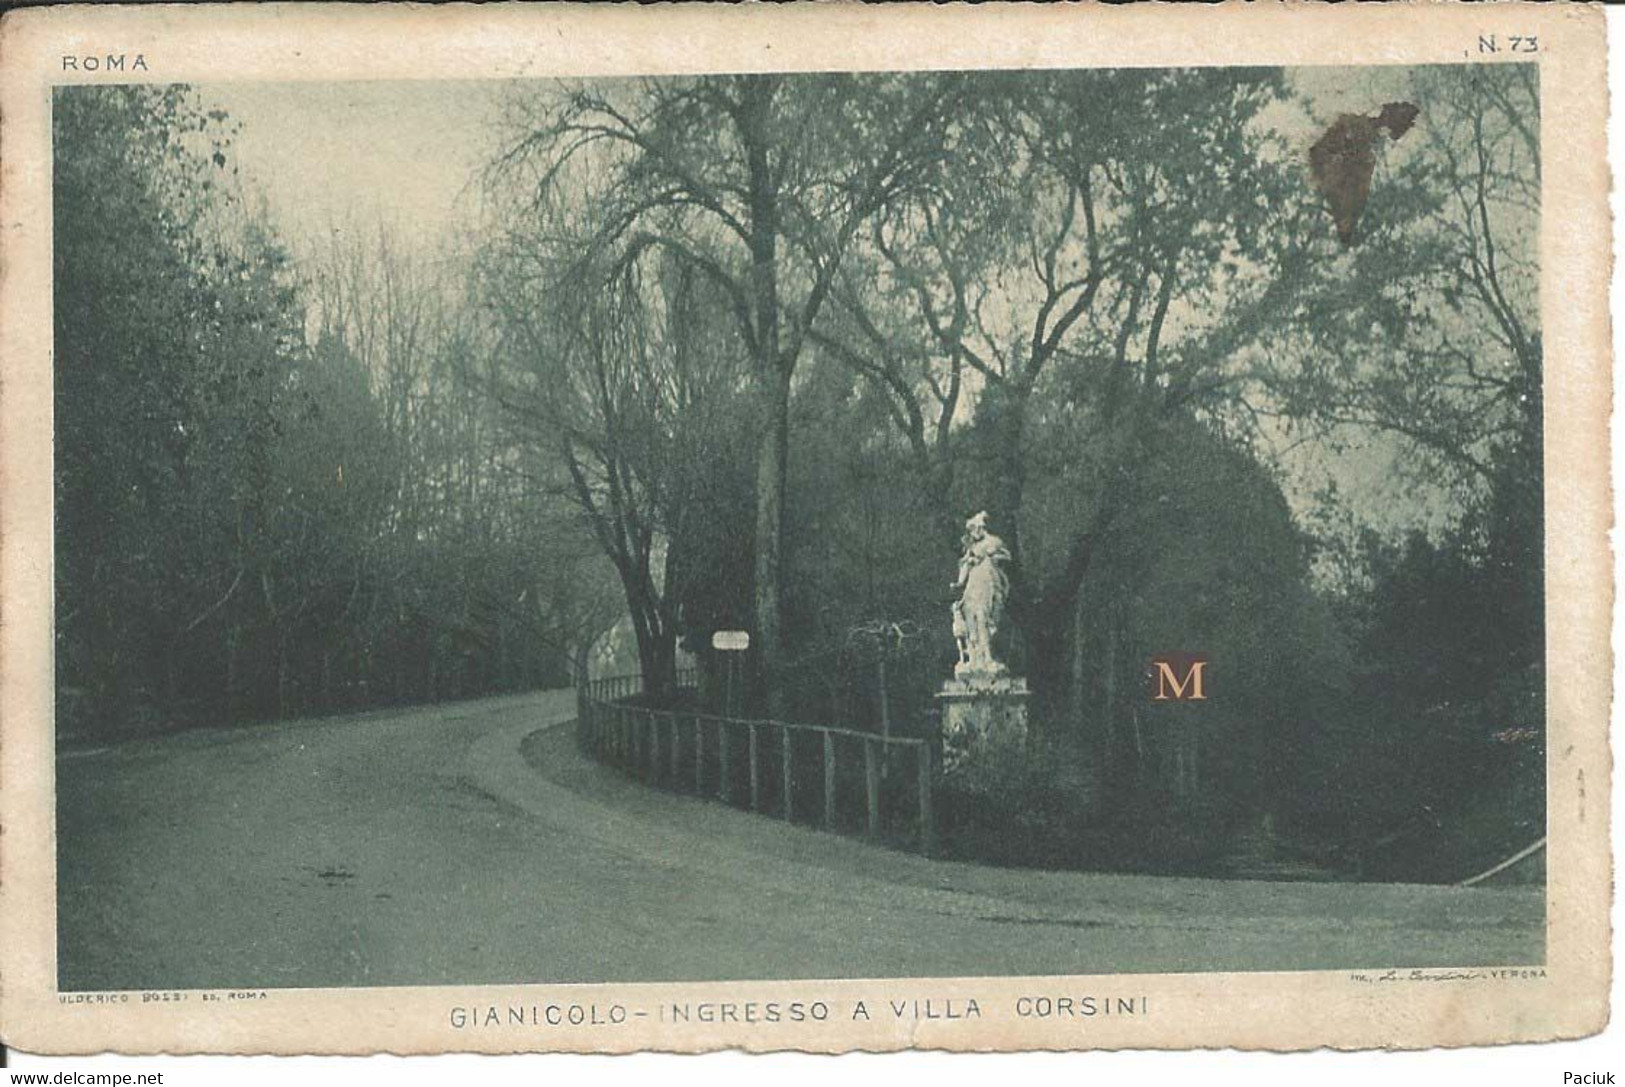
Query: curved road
{"type": "Point", "coordinates": [418, 847]}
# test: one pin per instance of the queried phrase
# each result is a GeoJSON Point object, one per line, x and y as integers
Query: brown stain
{"type": "Point", "coordinates": [1342, 161]}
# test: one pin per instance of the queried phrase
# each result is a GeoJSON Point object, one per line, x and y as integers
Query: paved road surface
{"type": "Point", "coordinates": [417, 847]}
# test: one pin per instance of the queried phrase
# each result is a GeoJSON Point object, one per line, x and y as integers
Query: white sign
{"type": "Point", "coordinates": [731, 641]}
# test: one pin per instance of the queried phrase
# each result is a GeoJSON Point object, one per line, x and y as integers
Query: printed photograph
{"type": "Point", "coordinates": [799, 526]}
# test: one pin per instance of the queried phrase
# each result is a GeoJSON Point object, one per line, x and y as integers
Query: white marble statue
{"type": "Point", "coordinates": [983, 586]}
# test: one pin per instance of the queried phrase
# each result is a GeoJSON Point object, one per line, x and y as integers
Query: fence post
{"type": "Point", "coordinates": [699, 756]}
{"type": "Point", "coordinates": [788, 807]}
{"type": "Point", "coordinates": [755, 773]}
{"type": "Point", "coordinates": [871, 786]}
{"type": "Point", "coordinates": [928, 830]}
{"type": "Point", "coordinates": [829, 781]}
{"type": "Point", "coordinates": [724, 785]}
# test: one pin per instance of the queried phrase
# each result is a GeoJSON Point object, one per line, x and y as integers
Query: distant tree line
{"type": "Point", "coordinates": [273, 497]}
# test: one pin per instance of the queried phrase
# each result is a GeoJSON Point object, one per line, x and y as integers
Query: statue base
{"type": "Point", "coordinates": [984, 725]}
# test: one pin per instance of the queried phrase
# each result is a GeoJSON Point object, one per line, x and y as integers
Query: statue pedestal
{"type": "Point", "coordinates": [984, 725]}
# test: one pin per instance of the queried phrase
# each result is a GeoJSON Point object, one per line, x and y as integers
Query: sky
{"type": "Point", "coordinates": [326, 154]}
{"type": "Point", "coordinates": [335, 155]}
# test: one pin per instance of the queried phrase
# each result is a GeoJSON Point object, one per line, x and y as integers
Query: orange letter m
{"type": "Point", "coordinates": [1167, 679]}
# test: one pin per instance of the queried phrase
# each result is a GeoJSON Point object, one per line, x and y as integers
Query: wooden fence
{"type": "Point", "coordinates": [872, 783]}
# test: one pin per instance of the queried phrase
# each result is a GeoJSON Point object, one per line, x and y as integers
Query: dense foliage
{"type": "Point", "coordinates": [272, 497]}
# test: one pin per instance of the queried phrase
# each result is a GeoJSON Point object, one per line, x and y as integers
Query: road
{"type": "Point", "coordinates": [418, 847]}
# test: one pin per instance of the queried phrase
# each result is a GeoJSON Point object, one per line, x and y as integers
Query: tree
{"type": "Point", "coordinates": [626, 399]}
{"type": "Point", "coordinates": [170, 344]}
{"type": "Point", "coordinates": [474, 577]}
{"type": "Point", "coordinates": [1112, 286]}
{"type": "Point", "coordinates": [1428, 332]}
{"type": "Point", "coordinates": [758, 183]}
{"type": "Point", "coordinates": [273, 495]}
{"type": "Point", "coordinates": [1428, 329]}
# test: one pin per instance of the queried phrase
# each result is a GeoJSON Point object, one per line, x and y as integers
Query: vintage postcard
{"type": "Point", "coordinates": [812, 527]}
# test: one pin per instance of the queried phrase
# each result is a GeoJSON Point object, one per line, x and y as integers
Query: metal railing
{"type": "Point", "coordinates": [706, 755]}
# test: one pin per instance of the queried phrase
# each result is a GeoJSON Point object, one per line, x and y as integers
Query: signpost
{"type": "Point", "coordinates": [731, 642]}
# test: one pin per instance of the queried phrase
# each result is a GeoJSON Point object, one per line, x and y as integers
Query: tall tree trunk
{"type": "Point", "coordinates": [657, 658]}
{"type": "Point", "coordinates": [1077, 669]}
{"type": "Point", "coordinates": [656, 641]}
{"type": "Point", "coordinates": [939, 491]}
{"type": "Point", "coordinates": [1030, 644]}
{"type": "Point", "coordinates": [1053, 618]}
{"type": "Point", "coordinates": [1010, 472]}
{"type": "Point", "coordinates": [773, 378]}
{"type": "Point", "coordinates": [772, 470]}
{"type": "Point", "coordinates": [580, 657]}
